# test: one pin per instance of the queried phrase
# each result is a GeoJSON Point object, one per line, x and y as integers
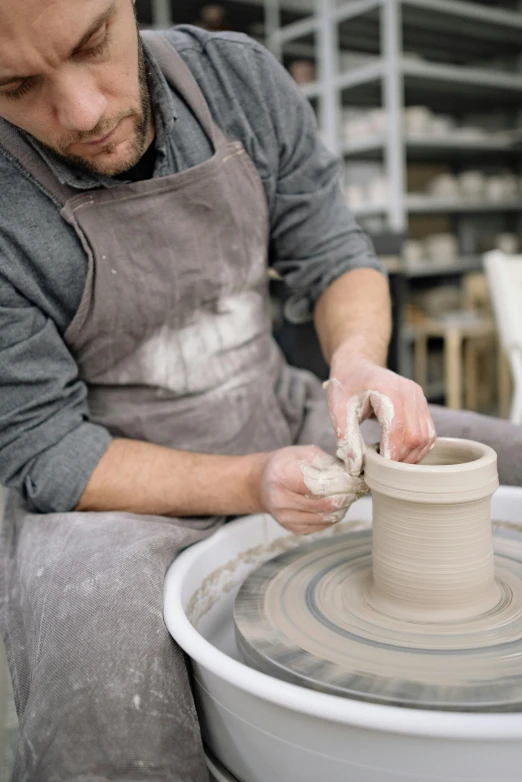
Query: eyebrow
{"type": "Point", "coordinates": [95, 26]}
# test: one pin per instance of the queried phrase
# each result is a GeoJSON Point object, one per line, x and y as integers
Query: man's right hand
{"type": "Point", "coordinates": [305, 489]}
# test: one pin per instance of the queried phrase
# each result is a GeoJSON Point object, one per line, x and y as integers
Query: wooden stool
{"type": "Point", "coordinates": [460, 343]}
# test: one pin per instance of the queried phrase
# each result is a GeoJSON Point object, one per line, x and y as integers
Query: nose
{"type": "Point", "coordinates": [79, 102]}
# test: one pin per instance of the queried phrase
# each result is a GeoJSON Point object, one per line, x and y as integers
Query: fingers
{"type": "Point", "coordinates": [307, 490]}
{"type": "Point", "coordinates": [321, 506]}
{"type": "Point", "coordinates": [317, 506]}
{"type": "Point", "coordinates": [326, 476]}
{"type": "Point", "coordinates": [304, 522]}
{"type": "Point", "coordinates": [301, 523]}
{"type": "Point", "coordinates": [336, 398]}
{"type": "Point", "coordinates": [422, 435]}
{"type": "Point", "coordinates": [432, 439]}
{"type": "Point", "coordinates": [351, 448]}
{"type": "Point", "coordinates": [320, 513]}
{"type": "Point", "coordinates": [303, 514]}
{"type": "Point", "coordinates": [413, 432]}
{"type": "Point", "coordinates": [407, 430]}
{"type": "Point", "coordinates": [347, 414]}
{"type": "Point", "coordinates": [384, 411]}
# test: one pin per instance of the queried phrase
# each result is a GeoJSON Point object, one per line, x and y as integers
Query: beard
{"type": "Point", "coordinates": [141, 121]}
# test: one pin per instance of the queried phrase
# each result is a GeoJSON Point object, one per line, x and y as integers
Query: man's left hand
{"type": "Point", "coordinates": [358, 389]}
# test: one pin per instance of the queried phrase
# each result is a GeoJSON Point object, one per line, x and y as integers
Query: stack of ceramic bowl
{"type": "Point", "coordinates": [475, 185]}
{"type": "Point", "coordinates": [439, 249]}
{"type": "Point", "coordinates": [374, 192]}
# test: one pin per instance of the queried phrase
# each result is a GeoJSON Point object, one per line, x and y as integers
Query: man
{"type": "Point", "coordinates": [143, 397]}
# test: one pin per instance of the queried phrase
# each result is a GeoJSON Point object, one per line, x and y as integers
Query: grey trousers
{"type": "Point", "coordinates": [101, 689]}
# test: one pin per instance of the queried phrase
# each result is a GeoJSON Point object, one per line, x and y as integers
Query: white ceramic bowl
{"type": "Point", "coordinates": [265, 730]}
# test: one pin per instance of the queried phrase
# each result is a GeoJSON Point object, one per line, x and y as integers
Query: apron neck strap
{"type": "Point", "coordinates": [180, 78]}
{"type": "Point", "coordinates": [15, 147]}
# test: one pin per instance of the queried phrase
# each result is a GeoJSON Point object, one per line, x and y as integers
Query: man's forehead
{"type": "Point", "coordinates": [31, 26]}
{"type": "Point", "coordinates": [31, 17]}
{"type": "Point", "coordinates": [23, 14]}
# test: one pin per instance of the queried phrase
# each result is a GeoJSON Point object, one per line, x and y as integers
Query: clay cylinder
{"type": "Point", "coordinates": [432, 548]}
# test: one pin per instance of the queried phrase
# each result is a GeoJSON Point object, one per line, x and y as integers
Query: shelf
{"type": "Point", "coordinates": [372, 146]}
{"type": "Point", "coordinates": [445, 88]}
{"type": "Point", "coordinates": [455, 143]}
{"type": "Point", "coordinates": [456, 57]}
{"type": "Point", "coordinates": [439, 30]}
{"type": "Point", "coordinates": [355, 8]}
{"type": "Point", "coordinates": [361, 76]}
{"type": "Point", "coordinates": [479, 24]}
{"type": "Point", "coordinates": [356, 78]}
{"type": "Point", "coordinates": [369, 210]}
{"type": "Point", "coordinates": [296, 31]}
{"type": "Point", "coordinates": [312, 90]}
{"type": "Point", "coordinates": [463, 265]}
{"type": "Point", "coordinates": [479, 81]}
{"type": "Point", "coordinates": [421, 204]}
{"type": "Point", "coordinates": [309, 26]}
{"type": "Point", "coordinates": [430, 147]}
{"type": "Point", "coordinates": [424, 204]}
{"type": "Point", "coordinates": [241, 15]}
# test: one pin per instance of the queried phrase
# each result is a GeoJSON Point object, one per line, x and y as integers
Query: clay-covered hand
{"type": "Point", "coordinates": [306, 489]}
{"type": "Point", "coordinates": [359, 389]}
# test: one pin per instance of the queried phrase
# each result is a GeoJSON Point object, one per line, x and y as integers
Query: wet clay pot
{"type": "Point", "coordinates": [432, 548]}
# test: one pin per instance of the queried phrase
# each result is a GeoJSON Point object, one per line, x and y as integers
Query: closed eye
{"type": "Point", "coordinates": [19, 92]}
{"type": "Point", "coordinates": [97, 44]}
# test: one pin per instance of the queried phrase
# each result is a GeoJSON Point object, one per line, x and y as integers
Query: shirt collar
{"type": "Point", "coordinates": [164, 114]}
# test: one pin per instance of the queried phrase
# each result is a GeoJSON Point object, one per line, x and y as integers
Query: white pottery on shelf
{"type": "Point", "coordinates": [441, 125]}
{"type": "Point", "coordinates": [441, 248]}
{"type": "Point", "coordinates": [472, 184]}
{"type": "Point", "coordinates": [417, 120]}
{"type": "Point", "coordinates": [377, 190]}
{"type": "Point", "coordinates": [502, 187]}
{"type": "Point", "coordinates": [444, 186]}
{"type": "Point", "coordinates": [413, 252]}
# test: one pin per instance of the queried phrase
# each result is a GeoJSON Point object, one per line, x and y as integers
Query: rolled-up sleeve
{"type": "Point", "coordinates": [48, 447]}
{"type": "Point", "coordinates": [315, 238]}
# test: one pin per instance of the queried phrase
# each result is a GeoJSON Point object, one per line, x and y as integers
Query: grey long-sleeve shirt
{"type": "Point", "coordinates": [48, 446]}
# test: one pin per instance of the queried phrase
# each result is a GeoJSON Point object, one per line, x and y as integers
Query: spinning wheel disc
{"type": "Point", "coordinates": [307, 617]}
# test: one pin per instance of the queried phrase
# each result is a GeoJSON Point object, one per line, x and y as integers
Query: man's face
{"type": "Point", "coordinates": [72, 75]}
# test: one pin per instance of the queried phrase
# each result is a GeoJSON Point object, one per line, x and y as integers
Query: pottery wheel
{"type": "Point", "coordinates": [307, 617]}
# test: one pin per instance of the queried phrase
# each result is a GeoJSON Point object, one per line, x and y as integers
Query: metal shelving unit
{"type": "Point", "coordinates": [459, 57]}
{"type": "Point", "coordinates": [453, 34]}
{"type": "Point", "coordinates": [464, 265]}
{"type": "Point", "coordinates": [423, 205]}
{"type": "Point", "coordinates": [430, 148]}
{"type": "Point", "coordinates": [456, 56]}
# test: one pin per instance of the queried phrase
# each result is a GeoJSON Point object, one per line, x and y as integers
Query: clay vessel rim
{"type": "Point", "coordinates": [486, 456]}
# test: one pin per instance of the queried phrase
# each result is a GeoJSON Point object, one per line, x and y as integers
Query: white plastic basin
{"type": "Point", "coordinates": [265, 730]}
